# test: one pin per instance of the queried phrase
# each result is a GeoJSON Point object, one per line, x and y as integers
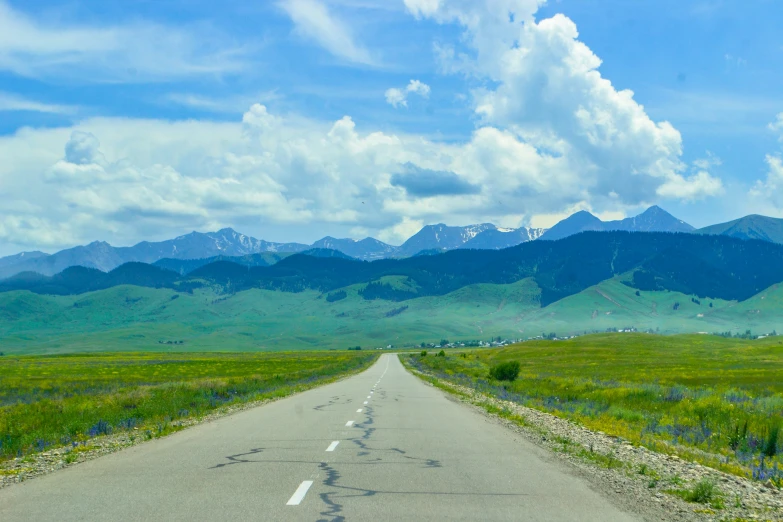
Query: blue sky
{"type": "Point", "coordinates": [158, 95]}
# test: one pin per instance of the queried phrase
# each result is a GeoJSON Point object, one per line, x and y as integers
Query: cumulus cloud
{"type": "Point", "coordinates": [83, 149]}
{"type": "Point", "coordinates": [314, 21]}
{"type": "Point", "coordinates": [128, 180]}
{"type": "Point", "coordinates": [399, 97]}
{"type": "Point", "coordinates": [697, 186]}
{"type": "Point", "coordinates": [544, 86]}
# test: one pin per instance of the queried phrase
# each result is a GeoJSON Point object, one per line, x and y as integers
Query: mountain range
{"type": "Point", "coordinates": [707, 266]}
{"type": "Point", "coordinates": [319, 298]}
{"type": "Point", "coordinates": [188, 252]}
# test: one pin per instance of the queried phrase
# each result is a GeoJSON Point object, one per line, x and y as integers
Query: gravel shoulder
{"type": "Point", "coordinates": [651, 482]}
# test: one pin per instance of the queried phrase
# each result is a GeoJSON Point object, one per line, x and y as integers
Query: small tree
{"type": "Point", "coordinates": [423, 353]}
{"type": "Point", "coordinates": [441, 353]}
{"type": "Point", "coordinates": [770, 447]}
{"type": "Point", "coordinates": [507, 371]}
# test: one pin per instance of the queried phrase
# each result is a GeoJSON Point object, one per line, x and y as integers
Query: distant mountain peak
{"type": "Point", "coordinates": [752, 226]}
{"type": "Point", "coordinates": [654, 219]}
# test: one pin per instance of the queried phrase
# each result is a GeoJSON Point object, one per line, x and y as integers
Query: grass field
{"type": "Point", "coordinates": [718, 401]}
{"type": "Point", "coordinates": [60, 400]}
{"type": "Point", "coordinates": [144, 319]}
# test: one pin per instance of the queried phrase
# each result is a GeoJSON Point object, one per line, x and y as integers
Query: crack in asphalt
{"type": "Point", "coordinates": [235, 459]}
{"type": "Point", "coordinates": [332, 402]}
{"type": "Point", "coordinates": [332, 500]}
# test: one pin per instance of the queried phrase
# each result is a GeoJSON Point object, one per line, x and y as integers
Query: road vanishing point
{"type": "Point", "coordinates": [381, 445]}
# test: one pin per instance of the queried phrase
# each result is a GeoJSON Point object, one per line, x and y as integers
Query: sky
{"type": "Point", "coordinates": [291, 120]}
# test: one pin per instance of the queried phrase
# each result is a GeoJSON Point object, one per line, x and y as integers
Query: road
{"type": "Point", "coordinates": [381, 445]}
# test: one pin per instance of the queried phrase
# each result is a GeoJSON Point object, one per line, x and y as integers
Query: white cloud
{"type": "Point", "coordinates": [229, 105]}
{"type": "Point", "coordinates": [128, 180]}
{"type": "Point", "coordinates": [396, 97]}
{"type": "Point", "coordinates": [548, 92]}
{"type": "Point", "coordinates": [770, 191]}
{"type": "Point", "coordinates": [768, 194]}
{"type": "Point", "coordinates": [706, 163]}
{"type": "Point", "coordinates": [399, 97]}
{"type": "Point", "coordinates": [698, 186]}
{"type": "Point", "coordinates": [12, 102]}
{"type": "Point", "coordinates": [314, 21]}
{"type": "Point", "coordinates": [777, 126]}
{"type": "Point", "coordinates": [137, 51]}
{"type": "Point", "coordinates": [397, 234]}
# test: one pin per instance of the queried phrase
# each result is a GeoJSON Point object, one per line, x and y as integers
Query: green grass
{"type": "Point", "coordinates": [703, 492]}
{"type": "Point", "coordinates": [139, 319]}
{"type": "Point", "coordinates": [676, 394]}
{"type": "Point", "coordinates": [56, 400]}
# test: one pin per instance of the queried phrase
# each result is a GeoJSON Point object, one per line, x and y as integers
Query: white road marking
{"type": "Point", "coordinates": [359, 410]}
{"type": "Point", "coordinates": [333, 445]}
{"type": "Point", "coordinates": [365, 402]}
{"type": "Point", "coordinates": [368, 396]}
{"type": "Point", "coordinates": [300, 493]}
{"type": "Point", "coordinates": [349, 423]}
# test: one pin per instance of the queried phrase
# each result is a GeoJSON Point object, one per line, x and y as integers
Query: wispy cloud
{"type": "Point", "coordinates": [141, 51]}
{"type": "Point", "coordinates": [227, 105]}
{"type": "Point", "coordinates": [13, 102]}
{"type": "Point", "coordinates": [314, 21]}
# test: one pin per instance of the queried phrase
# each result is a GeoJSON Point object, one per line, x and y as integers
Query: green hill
{"type": "Point", "coordinates": [150, 319]}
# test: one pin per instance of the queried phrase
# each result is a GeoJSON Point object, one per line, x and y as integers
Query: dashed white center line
{"type": "Point", "coordinates": [359, 410]}
{"type": "Point", "coordinates": [333, 445]}
{"type": "Point", "coordinates": [349, 423]}
{"type": "Point", "coordinates": [300, 493]}
{"type": "Point", "coordinates": [368, 396]}
{"type": "Point", "coordinates": [365, 402]}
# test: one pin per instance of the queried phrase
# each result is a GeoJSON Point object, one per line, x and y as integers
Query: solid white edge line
{"type": "Point", "coordinates": [333, 445]}
{"type": "Point", "coordinates": [300, 493]}
{"type": "Point", "coordinates": [359, 410]}
{"type": "Point", "coordinates": [349, 423]}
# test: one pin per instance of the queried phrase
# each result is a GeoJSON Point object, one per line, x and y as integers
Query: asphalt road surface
{"type": "Point", "coordinates": [382, 445]}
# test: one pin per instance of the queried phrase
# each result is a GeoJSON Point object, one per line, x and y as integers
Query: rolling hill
{"type": "Point", "coordinates": [139, 318]}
